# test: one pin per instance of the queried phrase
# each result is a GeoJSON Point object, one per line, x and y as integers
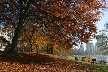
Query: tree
{"type": "Point", "coordinates": [68, 21]}
{"type": "Point", "coordinates": [103, 41]}
{"type": "Point", "coordinates": [33, 39]}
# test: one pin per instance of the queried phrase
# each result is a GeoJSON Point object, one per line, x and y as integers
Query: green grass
{"type": "Point", "coordinates": [70, 57]}
{"type": "Point", "coordinates": [73, 58]}
{"type": "Point", "coordinates": [100, 68]}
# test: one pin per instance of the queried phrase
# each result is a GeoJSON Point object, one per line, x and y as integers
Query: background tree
{"type": "Point", "coordinates": [103, 43]}
{"type": "Point", "coordinates": [68, 21]}
{"type": "Point", "coordinates": [33, 39]}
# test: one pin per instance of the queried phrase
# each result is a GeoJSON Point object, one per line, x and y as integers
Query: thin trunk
{"type": "Point", "coordinates": [51, 50]}
{"type": "Point", "coordinates": [37, 51]}
{"type": "Point", "coordinates": [47, 50]}
{"type": "Point", "coordinates": [30, 39]}
{"type": "Point", "coordinates": [31, 47]}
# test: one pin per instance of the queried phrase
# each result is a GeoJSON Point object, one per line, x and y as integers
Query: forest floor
{"type": "Point", "coordinates": [34, 62]}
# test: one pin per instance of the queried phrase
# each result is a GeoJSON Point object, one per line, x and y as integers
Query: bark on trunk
{"type": "Point", "coordinates": [31, 47]}
{"type": "Point", "coordinates": [16, 37]}
{"type": "Point", "coordinates": [37, 51]}
{"type": "Point", "coordinates": [22, 17]}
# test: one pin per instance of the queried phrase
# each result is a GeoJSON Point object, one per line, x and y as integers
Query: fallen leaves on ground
{"type": "Point", "coordinates": [34, 62]}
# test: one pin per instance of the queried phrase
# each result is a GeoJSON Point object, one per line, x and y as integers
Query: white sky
{"type": "Point", "coordinates": [100, 24]}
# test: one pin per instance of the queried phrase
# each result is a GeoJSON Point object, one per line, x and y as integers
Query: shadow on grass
{"type": "Point", "coordinates": [27, 58]}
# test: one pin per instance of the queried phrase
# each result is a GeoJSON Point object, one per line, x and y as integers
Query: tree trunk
{"type": "Point", "coordinates": [51, 50]}
{"type": "Point", "coordinates": [31, 47]}
{"type": "Point", "coordinates": [16, 37]}
{"type": "Point", "coordinates": [22, 17]}
{"type": "Point", "coordinates": [37, 51]}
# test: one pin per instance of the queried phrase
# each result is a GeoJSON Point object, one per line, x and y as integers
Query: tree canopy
{"type": "Point", "coordinates": [65, 22]}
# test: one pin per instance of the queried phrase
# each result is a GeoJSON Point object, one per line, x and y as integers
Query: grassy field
{"type": "Point", "coordinates": [72, 58]}
{"type": "Point", "coordinates": [100, 68]}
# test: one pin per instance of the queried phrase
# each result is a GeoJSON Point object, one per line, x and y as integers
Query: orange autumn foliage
{"type": "Point", "coordinates": [65, 22]}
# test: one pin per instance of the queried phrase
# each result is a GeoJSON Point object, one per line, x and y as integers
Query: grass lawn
{"type": "Point", "coordinates": [73, 58]}
{"type": "Point", "coordinates": [98, 68]}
